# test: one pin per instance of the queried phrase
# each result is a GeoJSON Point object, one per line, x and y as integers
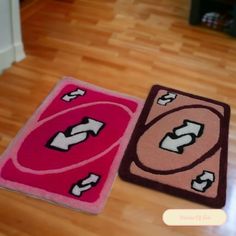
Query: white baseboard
{"type": "Point", "coordinates": [6, 58]}
{"type": "Point", "coordinates": [9, 55]}
{"type": "Point", "coordinates": [11, 48]}
{"type": "Point", "coordinates": [19, 52]}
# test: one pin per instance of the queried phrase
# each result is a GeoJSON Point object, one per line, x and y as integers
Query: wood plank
{"type": "Point", "coordinates": [127, 46]}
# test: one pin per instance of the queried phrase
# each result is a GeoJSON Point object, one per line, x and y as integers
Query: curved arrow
{"type": "Point", "coordinates": [167, 98]}
{"type": "Point", "coordinates": [91, 125]}
{"type": "Point", "coordinates": [200, 187]}
{"type": "Point", "coordinates": [85, 184]}
{"type": "Point", "coordinates": [176, 144]}
{"type": "Point", "coordinates": [182, 136]}
{"type": "Point", "coordinates": [72, 95]}
{"type": "Point", "coordinates": [189, 127]}
{"type": "Point", "coordinates": [62, 142]}
{"type": "Point", "coordinates": [74, 135]}
{"type": "Point", "coordinates": [203, 181]}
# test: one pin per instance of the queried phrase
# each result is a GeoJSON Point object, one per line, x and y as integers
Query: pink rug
{"type": "Point", "coordinates": [70, 149]}
{"type": "Point", "coordinates": [179, 146]}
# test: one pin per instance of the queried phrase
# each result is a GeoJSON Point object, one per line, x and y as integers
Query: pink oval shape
{"type": "Point", "coordinates": [34, 154]}
{"type": "Point", "coordinates": [151, 156]}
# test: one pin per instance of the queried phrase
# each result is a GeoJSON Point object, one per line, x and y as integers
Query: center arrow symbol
{"type": "Point", "coordinates": [76, 134]}
{"type": "Point", "coordinates": [189, 127]}
{"type": "Point", "coordinates": [62, 142]}
{"type": "Point", "coordinates": [92, 125]}
{"type": "Point", "coordinates": [182, 136]}
{"type": "Point", "coordinates": [174, 144]}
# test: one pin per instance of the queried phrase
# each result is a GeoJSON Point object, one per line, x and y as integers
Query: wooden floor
{"type": "Point", "coordinates": [127, 46]}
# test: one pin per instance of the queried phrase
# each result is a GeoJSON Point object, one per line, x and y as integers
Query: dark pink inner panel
{"type": "Point", "coordinates": [61, 183]}
{"type": "Point", "coordinates": [58, 104]}
{"type": "Point", "coordinates": [34, 154]}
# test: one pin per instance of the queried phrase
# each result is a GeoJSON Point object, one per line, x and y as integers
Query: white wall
{"type": "Point", "coordinates": [11, 47]}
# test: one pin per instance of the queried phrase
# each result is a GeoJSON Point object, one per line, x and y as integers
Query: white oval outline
{"type": "Point", "coordinates": [73, 166]}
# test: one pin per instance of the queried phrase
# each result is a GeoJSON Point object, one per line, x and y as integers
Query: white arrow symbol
{"type": "Point", "coordinates": [167, 98]}
{"type": "Point", "coordinates": [63, 142]}
{"type": "Point", "coordinates": [85, 184]}
{"type": "Point", "coordinates": [91, 179]}
{"type": "Point", "coordinates": [207, 176]}
{"type": "Point", "coordinates": [174, 144]}
{"type": "Point", "coordinates": [72, 95]}
{"type": "Point", "coordinates": [170, 95]}
{"type": "Point", "coordinates": [203, 181]}
{"type": "Point", "coordinates": [78, 134]}
{"type": "Point", "coordinates": [190, 127]}
{"type": "Point", "coordinates": [199, 186]}
{"type": "Point", "coordinates": [92, 125]}
{"type": "Point", "coordinates": [77, 191]}
{"type": "Point", "coordinates": [182, 136]}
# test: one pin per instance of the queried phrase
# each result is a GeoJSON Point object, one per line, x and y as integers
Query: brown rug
{"type": "Point", "coordinates": [179, 146]}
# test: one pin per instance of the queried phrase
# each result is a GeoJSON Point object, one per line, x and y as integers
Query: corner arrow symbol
{"type": "Point", "coordinates": [199, 186]}
{"type": "Point", "coordinates": [203, 181]}
{"type": "Point", "coordinates": [85, 184]}
{"type": "Point", "coordinates": [72, 95]}
{"type": "Point", "coordinates": [91, 179]}
{"type": "Point", "coordinates": [167, 98]}
{"type": "Point", "coordinates": [207, 176]}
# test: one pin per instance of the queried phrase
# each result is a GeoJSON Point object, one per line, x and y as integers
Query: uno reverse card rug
{"type": "Point", "coordinates": [70, 150]}
{"type": "Point", "coordinates": [179, 146]}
